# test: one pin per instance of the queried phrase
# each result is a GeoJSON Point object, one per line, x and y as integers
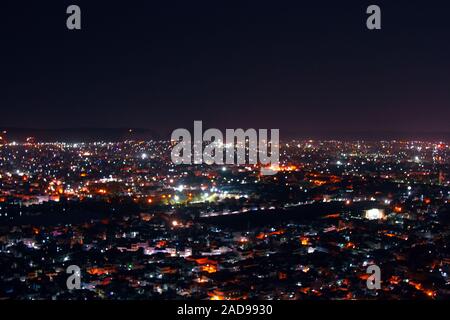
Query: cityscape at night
{"type": "Point", "coordinates": [224, 158]}
{"type": "Point", "coordinates": [140, 227]}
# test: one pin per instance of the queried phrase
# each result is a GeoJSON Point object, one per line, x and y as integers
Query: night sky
{"type": "Point", "coordinates": [300, 66]}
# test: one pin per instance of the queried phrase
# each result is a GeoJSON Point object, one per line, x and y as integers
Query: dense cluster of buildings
{"type": "Point", "coordinates": [140, 227]}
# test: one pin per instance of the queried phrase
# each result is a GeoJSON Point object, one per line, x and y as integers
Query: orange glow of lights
{"type": "Point", "coordinates": [419, 287]}
{"type": "Point", "coordinates": [101, 271]}
{"type": "Point", "coordinates": [350, 245]}
{"type": "Point", "coordinates": [278, 232]}
{"type": "Point", "coordinates": [332, 216]}
{"type": "Point", "coordinates": [430, 293]}
{"type": "Point", "coordinates": [363, 276]}
{"type": "Point", "coordinates": [304, 241]}
{"type": "Point", "coordinates": [161, 243]}
{"type": "Point", "coordinates": [203, 261]}
{"type": "Point", "coordinates": [282, 275]}
{"type": "Point", "coordinates": [394, 280]}
{"type": "Point", "coordinates": [210, 268]}
{"type": "Point", "coordinates": [260, 236]}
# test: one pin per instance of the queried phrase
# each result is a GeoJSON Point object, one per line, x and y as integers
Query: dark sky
{"type": "Point", "coordinates": [301, 66]}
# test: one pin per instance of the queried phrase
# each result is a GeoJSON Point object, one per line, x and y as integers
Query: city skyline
{"type": "Point", "coordinates": [136, 226]}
